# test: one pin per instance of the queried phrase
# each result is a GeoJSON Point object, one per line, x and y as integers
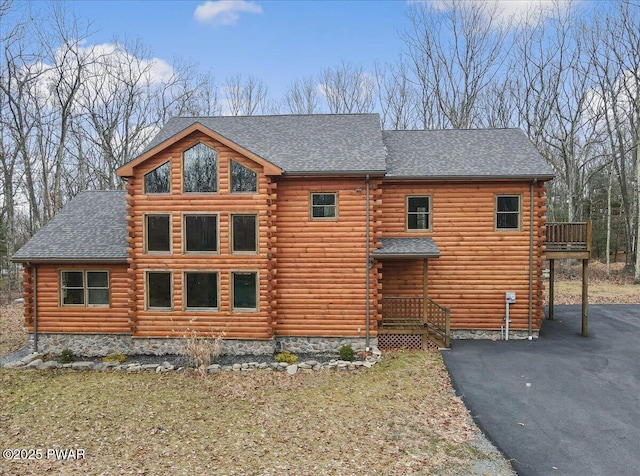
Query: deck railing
{"type": "Point", "coordinates": [406, 314]}
{"type": "Point", "coordinates": [568, 236]}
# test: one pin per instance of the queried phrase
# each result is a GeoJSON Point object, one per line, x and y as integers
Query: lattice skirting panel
{"type": "Point", "coordinates": [401, 341]}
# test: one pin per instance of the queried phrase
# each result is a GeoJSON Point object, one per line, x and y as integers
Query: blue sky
{"type": "Point", "coordinates": [284, 41]}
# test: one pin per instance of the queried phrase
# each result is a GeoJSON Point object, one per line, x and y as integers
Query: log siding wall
{"type": "Point", "coordinates": [178, 321]}
{"type": "Point", "coordinates": [478, 263]}
{"type": "Point", "coordinates": [52, 317]}
{"type": "Point", "coordinates": [322, 263]}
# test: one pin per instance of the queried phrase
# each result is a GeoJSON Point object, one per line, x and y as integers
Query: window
{"type": "Point", "coordinates": [157, 232]}
{"type": "Point", "coordinates": [245, 290]}
{"type": "Point", "coordinates": [508, 212]}
{"type": "Point", "coordinates": [199, 169]}
{"type": "Point", "coordinates": [158, 290]}
{"type": "Point", "coordinates": [418, 213]}
{"type": "Point", "coordinates": [202, 290]}
{"type": "Point", "coordinates": [323, 205]}
{"type": "Point", "coordinates": [244, 236]}
{"type": "Point", "coordinates": [158, 180]}
{"type": "Point", "coordinates": [243, 179]}
{"type": "Point", "coordinates": [84, 288]}
{"type": "Point", "coordinates": [200, 233]}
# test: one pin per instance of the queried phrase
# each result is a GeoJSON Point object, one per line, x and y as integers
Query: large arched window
{"type": "Point", "coordinates": [200, 169]}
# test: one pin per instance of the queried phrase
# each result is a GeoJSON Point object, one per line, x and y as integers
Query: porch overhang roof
{"type": "Point", "coordinates": [404, 248]}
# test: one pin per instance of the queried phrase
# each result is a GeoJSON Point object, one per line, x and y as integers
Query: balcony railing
{"type": "Point", "coordinates": [568, 240]}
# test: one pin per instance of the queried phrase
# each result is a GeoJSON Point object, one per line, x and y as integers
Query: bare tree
{"type": "Point", "coordinates": [347, 89]}
{"type": "Point", "coordinates": [397, 97]}
{"type": "Point", "coordinates": [302, 97]}
{"type": "Point", "coordinates": [245, 98]}
{"type": "Point", "coordinates": [456, 49]}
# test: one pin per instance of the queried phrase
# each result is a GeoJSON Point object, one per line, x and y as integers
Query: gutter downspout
{"type": "Point", "coordinates": [368, 270]}
{"type": "Point", "coordinates": [531, 220]}
{"type": "Point", "coordinates": [35, 308]}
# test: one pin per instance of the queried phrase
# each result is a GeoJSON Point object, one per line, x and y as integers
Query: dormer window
{"type": "Point", "coordinates": [243, 179]}
{"type": "Point", "coordinates": [158, 180]}
{"type": "Point", "coordinates": [200, 169]}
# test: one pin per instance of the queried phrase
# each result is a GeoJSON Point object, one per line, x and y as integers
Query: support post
{"type": "Point", "coordinates": [585, 297]}
{"type": "Point", "coordinates": [425, 289]}
{"type": "Point", "coordinates": [552, 279]}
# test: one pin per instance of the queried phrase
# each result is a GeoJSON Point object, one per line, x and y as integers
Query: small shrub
{"type": "Point", "coordinates": [287, 357]}
{"type": "Point", "coordinates": [346, 352]}
{"type": "Point", "coordinates": [201, 350]}
{"type": "Point", "coordinates": [66, 356]}
{"type": "Point", "coordinates": [120, 358]}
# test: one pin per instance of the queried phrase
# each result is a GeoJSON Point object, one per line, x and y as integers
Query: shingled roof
{"type": "Point", "coordinates": [463, 153]}
{"type": "Point", "coordinates": [298, 144]}
{"type": "Point", "coordinates": [91, 227]}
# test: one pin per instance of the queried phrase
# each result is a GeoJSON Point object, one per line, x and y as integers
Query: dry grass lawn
{"type": "Point", "coordinates": [617, 289]}
{"type": "Point", "coordinates": [400, 417]}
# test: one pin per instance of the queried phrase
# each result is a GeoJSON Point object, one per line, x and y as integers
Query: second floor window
{"type": "Point", "coordinates": [158, 287]}
{"type": "Point", "coordinates": [200, 169]}
{"type": "Point", "coordinates": [157, 233]}
{"type": "Point", "coordinates": [324, 205]}
{"type": "Point", "coordinates": [244, 233]}
{"type": "Point", "coordinates": [418, 213]}
{"type": "Point", "coordinates": [508, 212]}
{"type": "Point", "coordinates": [200, 233]}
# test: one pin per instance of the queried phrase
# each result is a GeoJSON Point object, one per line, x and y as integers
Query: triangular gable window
{"type": "Point", "coordinates": [157, 181]}
{"type": "Point", "coordinates": [243, 179]}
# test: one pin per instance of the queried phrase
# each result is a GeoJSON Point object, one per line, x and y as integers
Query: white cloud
{"type": "Point", "coordinates": [516, 12]}
{"type": "Point", "coordinates": [224, 12]}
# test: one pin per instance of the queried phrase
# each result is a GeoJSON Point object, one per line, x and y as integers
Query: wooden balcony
{"type": "Point", "coordinates": [568, 240]}
{"type": "Point", "coordinates": [414, 315]}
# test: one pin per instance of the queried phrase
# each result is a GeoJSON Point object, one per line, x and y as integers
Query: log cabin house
{"type": "Point", "coordinates": [304, 232]}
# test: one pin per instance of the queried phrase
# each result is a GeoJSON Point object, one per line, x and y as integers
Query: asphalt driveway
{"type": "Point", "coordinates": [562, 404]}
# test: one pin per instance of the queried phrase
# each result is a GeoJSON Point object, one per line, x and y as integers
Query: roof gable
{"type": "Point", "coordinates": [127, 169]}
{"type": "Point", "coordinates": [295, 144]}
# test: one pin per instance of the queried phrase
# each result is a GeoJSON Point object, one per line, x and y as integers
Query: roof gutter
{"type": "Point", "coordinates": [470, 177]}
{"type": "Point", "coordinates": [69, 260]}
{"type": "Point", "coordinates": [329, 173]}
{"type": "Point", "coordinates": [404, 255]}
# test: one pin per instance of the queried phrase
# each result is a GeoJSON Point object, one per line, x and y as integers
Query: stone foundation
{"type": "Point", "coordinates": [97, 345]}
{"type": "Point", "coordinates": [322, 345]}
{"type": "Point", "coordinates": [488, 334]}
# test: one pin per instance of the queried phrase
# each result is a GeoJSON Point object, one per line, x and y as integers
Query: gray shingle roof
{"type": "Point", "coordinates": [470, 153]}
{"type": "Point", "coordinates": [319, 143]}
{"type": "Point", "coordinates": [407, 248]}
{"type": "Point", "coordinates": [91, 227]}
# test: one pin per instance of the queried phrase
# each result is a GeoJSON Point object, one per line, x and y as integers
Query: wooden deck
{"type": "Point", "coordinates": [568, 240]}
{"type": "Point", "coordinates": [414, 315]}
